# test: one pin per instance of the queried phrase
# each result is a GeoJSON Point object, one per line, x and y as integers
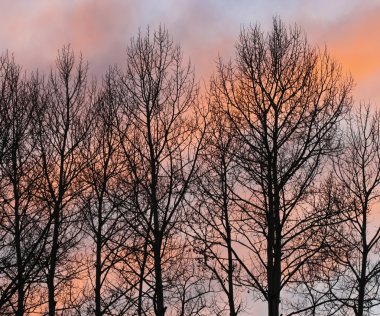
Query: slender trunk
{"type": "Point", "coordinates": [274, 297]}
{"type": "Point", "coordinates": [274, 235]}
{"type": "Point", "coordinates": [98, 263]}
{"type": "Point", "coordinates": [20, 265]}
{"type": "Point", "coordinates": [361, 285]}
{"type": "Point", "coordinates": [183, 304]}
{"type": "Point", "coordinates": [274, 276]}
{"type": "Point", "coordinates": [231, 297]}
{"type": "Point", "coordinates": [363, 274]}
{"type": "Point", "coordinates": [273, 270]}
{"type": "Point", "coordinates": [99, 237]}
{"type": "Point", "coordinates": [276, 281]}
{"type": "Point", "coordinates": [160, 307]}
{"type": "Point", "coordinates": [20, 270]}
{"type": "Point", "coordinates": [159, 289]}
{"type": "Point", "coordinates": [142, 272]}
{"type": "Point", "coordinates": [53, 264]}
{"type": "Point", "coordinates": [57, 212]}
{"type": "Point", "coordinates": [20, 300]}
{"type": "Point", "coordinates": [230, 269]}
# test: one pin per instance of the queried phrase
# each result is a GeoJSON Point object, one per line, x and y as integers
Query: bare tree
{"type": "Point", "coordinates": [357, 173]}
{"type": "Point", "coordinates": [284, 99]}
{"type": "Point", "coordinates": [190, 286]}
{"type": "Point", "coordinates": [311, 293]}
{"type": "Point", "coordinates": [349, 283]}
{"type": "Point", "coordinates": [138, 199]}
{"type": "Point", "coordinates": [103, 212]}
{"type": "Point", "coordinates": [214, 211]}
{"type": "Point", "coordinates": [160, 147]}
{"type": "Point", "coordinates": [62, 129]}
{"type": "Point", "coordinates": [22, 224]}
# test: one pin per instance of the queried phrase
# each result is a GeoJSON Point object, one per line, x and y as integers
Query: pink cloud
{"type": "Point", "coordinates": [101, 30]}
{"type": "Point", "coordinates": [354, 41]}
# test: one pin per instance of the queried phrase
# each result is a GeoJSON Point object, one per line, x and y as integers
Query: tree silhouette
{"type": "Point", "coordinates": [284, 99]}
{"type": "Point", "coordinates": [214, 210]}
{"type": "Point", "coordinates": [134, 195]}
{"type": "Point", "coordinates": [23, 224]}
{"type": "Point", "coordinates": [357, 174]}
{"type": "Point", "coordinates": [160, 146]}
{"type": "Point", "coordinates": [62, 129]}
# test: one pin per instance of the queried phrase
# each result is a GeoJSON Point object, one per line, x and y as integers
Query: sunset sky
{"type": "Point", "coordinates": [34, 31]}
{"type": "Point", "coordinates": [101, 29]}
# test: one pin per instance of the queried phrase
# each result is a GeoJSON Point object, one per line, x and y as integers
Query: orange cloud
{"type": "Point", "coordinates": [357, 44]}
{"type": "Point", "coordinates": [354, 41]}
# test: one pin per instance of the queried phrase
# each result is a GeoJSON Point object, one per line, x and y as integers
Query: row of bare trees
{"type": "Point", "coordinates": [136, 196]}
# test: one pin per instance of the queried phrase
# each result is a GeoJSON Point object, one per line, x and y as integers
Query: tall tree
{"type": "Point", "coordinates": [161, 147]}
{"type": "Point", "coordinates": [62, 129]}
{"type": "Point", "coordinates": [23, 224]}
{"type": "Point", "coordinates": [284, 100]}
{"type": "Point", "coordinates": [104, 224]}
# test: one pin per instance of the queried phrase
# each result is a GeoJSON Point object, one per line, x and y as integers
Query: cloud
{"type": "Point", "coordinates": [353, 40]}
{"type": "Point", "coordinates": [101, 30]}
{"type": "Point", "coordinates": [97, 28]}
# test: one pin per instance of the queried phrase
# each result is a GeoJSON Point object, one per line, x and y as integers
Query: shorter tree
{"type": "Point", "coordinates": [357, 173]}
{"type": "Point", "coordinates": [348, 273]}
{"type": "Point", "coordinates": [212, 221]}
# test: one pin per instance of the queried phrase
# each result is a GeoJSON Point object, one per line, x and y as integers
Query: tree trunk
{"type": "Point", "coordinates": [274, 234]}
{"type": "Point", "coordinates": [363, 274]}
{"type": "Point", "coordinates": [98, 264]}
{"type": "Point", "coordinates": [53, 264]}
{"type": "Point", "coordinates": [231, 300]}
{"type": "Point", "coordinates": [142, 272]}
{"type": "Point", "coordinates": [20, 268]}
{"type": "Point", "coordinates": [230, 271]}
{"type": "Point", "coordinates": [159, 289]}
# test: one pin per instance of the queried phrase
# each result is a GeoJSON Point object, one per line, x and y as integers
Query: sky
{"type": "Point", "coordinates": [34, 30]}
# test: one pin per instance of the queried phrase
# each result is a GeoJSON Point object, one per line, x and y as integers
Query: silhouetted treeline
{"type": "Point", "coordinates": [135, 195]}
